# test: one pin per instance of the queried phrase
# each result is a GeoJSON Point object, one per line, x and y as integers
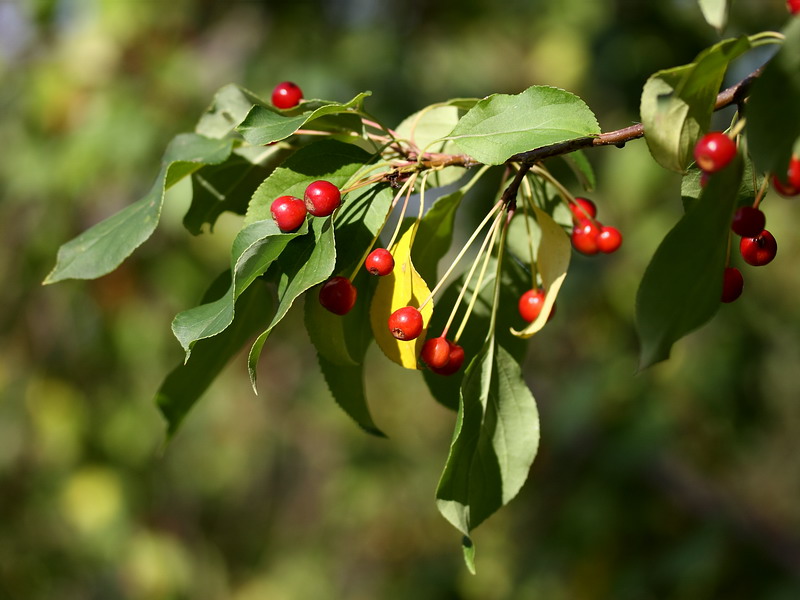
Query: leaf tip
{"type": "Point", "coordinates": [469, 554]}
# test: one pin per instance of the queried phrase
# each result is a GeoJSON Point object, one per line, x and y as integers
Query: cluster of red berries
{"type": "Point", "coordinates": [712, 153]}
{"type": "Point", "coordinates": [442, 356]}
{"type": "Point", "coordinates": [589, 236]}
{"type": "Point", "coordinates": [320, 199]}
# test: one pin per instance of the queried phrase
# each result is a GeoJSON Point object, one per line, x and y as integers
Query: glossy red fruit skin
{"type": "Point", "coordinates": [530, 305]}
{"type": "Point", "coordinates": [406, 323]}
{"type": "Point", "coordinates": [732, 284]}
{"type": "Point", "coordinates": [379, 262]}
{"type": "Point", "coordinates": [322, 198]}
{"type": "Point", "coordinates": [286, 95]}
{"type": "Point", "coordinates": [338, 295]}
{"type": "Point", "coordinates": [289, 213]}
{"type": "Point", "coordinates": [454, 362]}
{"type": "Point", "coordinates": [791, 185]}
{"type": "Point", "coordinates": [436, 352]}
{"type": "Point", "coordinates": [793, 6]}
{"type": "Point", "coordinates": [759, 250]}
{"type": "Point", "coordinates": [583, 208]}
{"type": "Point", "coordinates": [609, 239]}
{"type": "Point", "coordinates": [748, 221]}
{"type": "Point", "coordinates": [584, 237]}
{"type": "Point", "coordinates": [714, 151]}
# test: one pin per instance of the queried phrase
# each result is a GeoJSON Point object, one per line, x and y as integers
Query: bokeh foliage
{"type": "Point", "coordinates": [677, 482]}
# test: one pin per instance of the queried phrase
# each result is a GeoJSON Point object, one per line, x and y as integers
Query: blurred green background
{"type": "Point", "coordinates": [679, 482]}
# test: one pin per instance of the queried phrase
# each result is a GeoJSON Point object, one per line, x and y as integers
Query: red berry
{"type": "Point", "coordinates": [322, 198]}
{"type": "Point", "coordinates": [583, 208]}
{"type": "Point", "coordinates": [338, 295]}
{"type": "Point", "coordinates": [714, 151]}
{"type": "Point", "coordinates": [791, 185]}
{"type": "Point", "coordinates": [748, 221]}
{"type": "Point", "coordinates": [758, 250]}
{"type": "Point", "coordinates": [454, 361]}
{"type": "Point", "coordinates": [609, 239]}
{"type": "Point", "coordinates": [732, 284]}
{"type": "Point", "coordinates": [379, 262]}
{"type": "Point", "coordinates": [286, 95]}
{"type": "Point", "coordinates": [289, 212]}
{"type": "Point", "coordinates": [530, 305]}
{"type": "Point", "coordinates": [793, 6]}
{"type": "Point", "coordinates": [436, 352]}
{"type": "Point", "coordinates": [406, 323]}
{"type": "Point", "coordinates": [584, 236]}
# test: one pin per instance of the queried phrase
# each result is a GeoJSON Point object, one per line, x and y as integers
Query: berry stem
{"type": "Point", "coordinates": [397, 227]}
{"type": "Point", "coordinates": [463, 251]}
{"type": "Point", "coordinates": [488, 240]}
{"type": "Point", "coordinates": [528, 197]}
{"type": "Point", "coordinates": [761, 191]}
{"type": "Point", "coordinates": [476, 290]}
{"type": "Point", "coordinates": [380, 229]}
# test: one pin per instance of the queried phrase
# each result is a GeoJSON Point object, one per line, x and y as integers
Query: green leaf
{"type": "Point", "coordinates": [677, 103]}
{"type": "Point", "coordinates": [229, 108]}
{"type": "Point", "coordinates": [254, 250]}
{"type": "Point", "coordinates": [715, 12]}
{"type": "Point", "coordinates": [264, 125]}
{"type": "Point", "coordinates": [332, 160]}
{"type": "Point", "coordinates": [188, 381]}
{"type": "Point", "coordinates": [501, 126]}
{"type": "Point", "coordinates": [101, 248]}
{"type": "Point", "coordinates": [220, 188]}
{"type": "Point", "coordinates": [582, 168]}
{"type": "Point", "coordinates": [681, 287]}
{"type": "Point", "coordinates": [341, 343]}
{"type": "Point", "coordinates": [495, 441]}
{"type": "Point", "coordinates": [305, 262]}
{"type": "Point", "coordinates": [516, 280]}
{"type": "Point", "coordinates": [773, 118]}
{"type": "Point", "coordinates": [435, 234]}
{"type": "Point", "coordinates": [426, 128]}
{"type": "Point", "coordinates": [691, 188]}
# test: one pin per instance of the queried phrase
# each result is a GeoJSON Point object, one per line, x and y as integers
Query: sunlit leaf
{"type": "Point", "coordinates": [101, 248]}
{"type": "Point", "coordinates": [228, 109]}
{"type": "Point", "coordinates": [402, 287]}
{"type": "Point", "coordinates": [715, 12]}
{"type": "Point", "coordinates": [264, 125]}
{"type": "Point", "coordinates": [495, 441]}
{"type": "Point", "coordinates": [552, 259]}
{"type": "Point", "coordinates": [501, 126]}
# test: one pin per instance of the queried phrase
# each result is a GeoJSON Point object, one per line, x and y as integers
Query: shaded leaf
{"type": "Point", "coordinates": [677, 103]}
{"type": "Point", "coordinates": [254, 249]}
{"type": "Point", "coordinates": [681, 287]}
{"type": "Point", "coordinates": [426, 128]}
{"type": "Point", "coordinates": [435, 234]}
{"type": "Point", "coordinates": [188, 381]}
{"type": "Point", "coordinates": [773, 118]}
{"type": "Point", "coordinates": [500, 126]}
{"type": "Point", "coordinates": [101, 248]}
{"type": "Point", "coordinates": [305, 262]}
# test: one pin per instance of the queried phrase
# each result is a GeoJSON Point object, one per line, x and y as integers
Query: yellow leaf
{"type": "Point", "coordinates": [402, 287]}
{"type": "Point", "coordinates": [552, 259]}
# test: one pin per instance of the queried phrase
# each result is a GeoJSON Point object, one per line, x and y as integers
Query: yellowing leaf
{"type": "Point", "coordinates": [402, 287]}
{"type": "Point", "coordinates": [552, 260]}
